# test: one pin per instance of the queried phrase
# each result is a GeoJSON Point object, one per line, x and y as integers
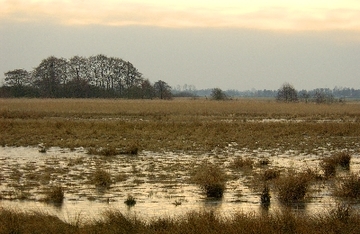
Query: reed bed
{"type": "Point", "coordinates": [340, 219]}
{"type": "Point", "coordinates": [189, 125]}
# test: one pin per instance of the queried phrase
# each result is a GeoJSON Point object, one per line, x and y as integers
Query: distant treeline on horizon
{"type": "Point", "coordinates": [109, 77]}
{"type": "Point", "coordinates": [350, 93]}
{"type": "Point", "coordinates": [83, 77]}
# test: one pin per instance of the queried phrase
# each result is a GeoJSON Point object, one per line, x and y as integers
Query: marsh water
{"type": "Point", "coordinates": [159, 181]}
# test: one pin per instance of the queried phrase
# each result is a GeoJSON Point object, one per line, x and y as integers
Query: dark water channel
{"type": "Point", "coordinates": [158, 181]}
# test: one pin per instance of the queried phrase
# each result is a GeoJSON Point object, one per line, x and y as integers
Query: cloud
{"type": "Point", "coordinates": [184, 15]}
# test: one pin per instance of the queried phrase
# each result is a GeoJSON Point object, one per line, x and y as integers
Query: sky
{"type": "Point", "coordinates": [227, 44]}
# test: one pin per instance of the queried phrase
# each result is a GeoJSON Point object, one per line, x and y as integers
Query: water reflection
{"type": "Point", "coordinates": [159, 182]}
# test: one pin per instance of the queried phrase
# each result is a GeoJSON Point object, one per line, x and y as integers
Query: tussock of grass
{"type": "Point", "coordinates": [343, 159]}
{"type": "Point", "coordinates": [242, 163]}
{"type": "Point", "coordinates": [211, 178]}
{"type": "Point", "coordinates": [349, 186]}
{"type": "Point", "coordinates": [101, 178]}
{"type": "Point", "coordinates": [329, 164]}
{"type": "Point", "coordinates": [270, 174]}
{"type": "Point", "coordinates": [55, 195]}
{"type": "Point", "coordinates": [265, 196]}
{"type": "Point", "coordinates": [130, 200]}
{"type": "Point", "coordinates": [293, 187]}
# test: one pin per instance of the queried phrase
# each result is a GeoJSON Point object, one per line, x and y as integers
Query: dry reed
{"type": "Point", "coordinates": [189, 125]}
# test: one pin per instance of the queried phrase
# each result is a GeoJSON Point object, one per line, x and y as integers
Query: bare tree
{"type": "Point", "coordinates": [18, 77]}
{"type": "Point", "coordinates": [50, 74]}
{"type": "Point", "coordinates": [287, 93]}
{"type": "Point", "coordinates": [162, 90]}
{"type": "Point", "coordinates": [218, 94]}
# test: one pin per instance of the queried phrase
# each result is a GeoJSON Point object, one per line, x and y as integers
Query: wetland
{"type": "Point", "coordinates": [149, 150]}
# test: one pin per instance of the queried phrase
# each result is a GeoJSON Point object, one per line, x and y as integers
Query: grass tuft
{"type": "Point", "coordinates": [349, 186]}
{"type": "Point", "coordinates": [265, 196]}
{"type": "Point", "coordinates": [270, 174]}
{"type": "Point", "coordinates": [101, 178]}
{"type": "Point", "coordinates": [343, 159]}
{"type": "Point", "coordinates": [293, 187]}
{"type": "Point", "coordinates": [241, 163]}
{"type": "Point", "coordinates": [55, 195]}
{"type": "Point", "coordinates": [211, 178]}
{"type": "Point", "coordinates": [130, 200]}
{"type": "Point", "coordinates": [329, 164]}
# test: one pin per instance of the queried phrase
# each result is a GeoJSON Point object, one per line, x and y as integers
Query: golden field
{"type": "Point", "coordinates": [193, 126]}
{"type": "Point", "coordinates": [179, 124]}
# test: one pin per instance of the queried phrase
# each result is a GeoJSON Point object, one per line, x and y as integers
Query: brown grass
{"type": "Point", "coordinates": [242, 163]}
{"type": "Point", "coordinates": [340, 219]}
{"type": "Point", "coordinates": [329, 164]}
{"type": "Point", "coordinates": [349, 186]}
{"type": "Point", "coordinates": [190, 125]}
{"type": "Point", "coordinates": [293, 187]}
{"type": "Point", "coordinates": [101, 178]}
{"type": "Point", "coordinates": [211, 178]}
{"type": "Point", "coordinates": [55, 195]}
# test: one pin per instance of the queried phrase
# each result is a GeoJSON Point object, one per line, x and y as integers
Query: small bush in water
{"type": "Point", "coordinates": [102, 178]}
{"type": "Point", "coordinates": [293, 187]}
{"type": "Point", "coordinates": [349, 186]}
{"type": "Point", "coordinates": [55, 195]}
{"type": "Point", "coordinates": [211, 178]}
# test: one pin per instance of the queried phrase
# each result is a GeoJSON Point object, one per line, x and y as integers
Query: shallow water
{"type": "Point", "coordinates": [158, 181]}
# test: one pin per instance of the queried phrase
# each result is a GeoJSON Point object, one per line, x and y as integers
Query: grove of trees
{"type": "Point", "coordinates": [81, 77]}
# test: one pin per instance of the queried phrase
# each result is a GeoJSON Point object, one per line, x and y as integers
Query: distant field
{"type": "Point", "coordinates": [179, 124]}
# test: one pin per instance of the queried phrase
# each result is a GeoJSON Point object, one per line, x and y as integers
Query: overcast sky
{"type": "Point", "coordinates": [229, 44]}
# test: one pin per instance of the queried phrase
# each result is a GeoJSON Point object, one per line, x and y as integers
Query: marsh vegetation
{"type": "Point", "coordinates": [151, 158]}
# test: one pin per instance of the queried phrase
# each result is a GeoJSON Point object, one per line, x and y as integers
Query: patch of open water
{"type": "Point", "coordinates": [158, 181]}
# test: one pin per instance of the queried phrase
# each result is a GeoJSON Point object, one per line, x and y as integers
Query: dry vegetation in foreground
{"type": "Point", "coordinates": [189, 125]}
{"type": "Point", "coordinates": [341, 219]}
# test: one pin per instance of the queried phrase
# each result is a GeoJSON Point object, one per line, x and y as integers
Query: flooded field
{"type": "Point", "coordinates": [160, 182]}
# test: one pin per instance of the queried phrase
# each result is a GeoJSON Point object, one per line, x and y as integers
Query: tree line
{"type": "Point", "coordinates": [282, 94]}
{"type": "Point", "coordinates": [83, 77]}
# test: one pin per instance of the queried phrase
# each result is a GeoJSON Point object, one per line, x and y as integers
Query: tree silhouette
{"type": "Point", "coordinates": [287, 93]}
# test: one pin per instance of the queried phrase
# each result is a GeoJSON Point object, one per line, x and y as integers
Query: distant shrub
{"type": "Point", "coordinates": [287, 93]}
{"type": "Point", "coordinates": [211, 178]}
{"type": "Point", "coordinates": [218, 94]}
